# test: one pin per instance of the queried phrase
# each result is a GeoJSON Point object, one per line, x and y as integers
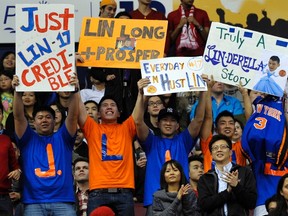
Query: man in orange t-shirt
{"type": "Point", "coordinates": [110, 157]}
{"type": "Point", "coordinates": [225, 125]}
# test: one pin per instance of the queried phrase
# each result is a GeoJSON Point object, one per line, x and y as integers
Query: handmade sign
{"type": "Point", "coordinates": [44, 47]}
{"type": "Point", "coordinates": [121, 43]}
{"type": "Point", "coordinates": [174, 74]}
{"type": "Point", "coordinates": [255, 60]}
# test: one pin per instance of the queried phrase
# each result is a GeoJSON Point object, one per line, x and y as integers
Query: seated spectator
{"type": "Point", "coordinates": [227, 189]}
{"type": "Point", "coordinates": [7, 62]}
{"type": "Point", "coordinates": [271, 203]}
{"type": "Point", "coordinates": [176, 196]}
{"type": "Point", "coordinates": [59, 116]}
{"type": "Point", "coordinates": [221, 102]}
{"type": "Point", "coordinates": [80, 146]}
{"type": "Point", "coordinates": [92, 109]}
{"type": "Point", "coordinates": [282, 198]}
{"type": "Point", "coordinates": [196, 170]}
{"type": "Point", "coordinates": [97, 91]}
{"type": "Point", "coordinates": [81, 174]}
{"type": "Point", "coordinates": [6, 92]}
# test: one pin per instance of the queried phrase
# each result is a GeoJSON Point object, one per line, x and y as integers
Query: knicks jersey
{"type": "Point", "coordinates": [264, 140]}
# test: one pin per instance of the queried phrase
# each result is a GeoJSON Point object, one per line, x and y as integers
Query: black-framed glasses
{"type": "Point", "coordinates": [221, 147]}
{"type": "Point", "coordinates": [157, 103]}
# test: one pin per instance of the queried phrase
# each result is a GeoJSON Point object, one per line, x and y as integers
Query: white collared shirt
{"type": "Point", "coordinates": [223, 185]}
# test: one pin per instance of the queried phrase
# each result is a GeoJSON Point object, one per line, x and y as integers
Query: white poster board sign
{"type": "Point", "coordinates": [259, 61]}
{"type": "Point", "coordinates": [45, 47]}
{"type": "Point", "coordinates": [172, 75]}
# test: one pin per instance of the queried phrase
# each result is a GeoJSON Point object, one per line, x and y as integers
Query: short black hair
{"type": "Point", "coordinates": [109, 97]}
{"type": "Point", "coordinates": [173, 163]}
{"type": "Point", "coordinates": [43, 108]}
{"type": "Point", "coordinates": [217, 137]}
{"type": "Point", "coordinates": [224, 113]}
{"type": "Point", "coordinates": [123, 13]}
{"type": "Point", "coordinates": [78, 159]}
{"type": "Point", "coordinates": [7, 73]}
{"type": "Point", "coordinates": [92, 101]}
{"type": "Point", "coordinates": [195, 158]}
{"type": "Point", "coordinates": [275, 58]}
{"type": "Point", "coordinates": [97, 74]}
{"type": "Point", "coordinates": [273, 198]}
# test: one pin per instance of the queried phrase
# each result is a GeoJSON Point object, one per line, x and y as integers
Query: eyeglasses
{"type": "Point", "coordinates": [221, 147]}
{"type": "Point", "coordinates": [157, 103]}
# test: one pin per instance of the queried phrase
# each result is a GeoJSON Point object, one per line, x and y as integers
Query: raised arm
{"type": "Point", "coordinates": [208, 117]}
{"type": "Point", "coordinates": [248, 110]}
{"type": "Point", "coordinates": [196, 123]}
{"type": "Point", "coordinates": [72, 117]}
{"type": "Point", "coordinates": [138, 111]}
{"type": "Point", "coordinates": [82, 116]}
{"type": "Point", "coordinates": [20, 120]}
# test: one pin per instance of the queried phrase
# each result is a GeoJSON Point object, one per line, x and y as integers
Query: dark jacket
{"type": "Point", "coordinates": [239, 200]}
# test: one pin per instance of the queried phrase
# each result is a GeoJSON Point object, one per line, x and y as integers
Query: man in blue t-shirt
{"type": "Point", "coordinates": [46, 157]}
{"type": "Point", "coordinates": [169, 145]}
{"type": "Point", "coordinates": [221, 102]}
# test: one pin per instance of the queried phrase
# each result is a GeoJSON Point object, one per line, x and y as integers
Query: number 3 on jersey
{"type": "Point", "coordinates": [261, 123]}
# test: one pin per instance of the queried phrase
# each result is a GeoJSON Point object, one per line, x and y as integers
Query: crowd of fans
{"type": "Point", "coordinates": [106, 146]}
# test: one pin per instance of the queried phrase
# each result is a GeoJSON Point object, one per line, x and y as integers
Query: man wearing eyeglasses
{"type": "Point", "coordinates": [227, 189]}
{"type": "Point", "coordinates": [154, 105]}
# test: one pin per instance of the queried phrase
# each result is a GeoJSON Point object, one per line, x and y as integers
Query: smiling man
{"type": "Point", "coordinates": [46, 157]}
{"type": "Point", "coordinates": [107, 8]}
{"type": "Point", "coordinates": [111, 157]}
{"type": "Point", "coordinates": [169, 145]}
{"type": "Point", "coordinates": [228, 189]}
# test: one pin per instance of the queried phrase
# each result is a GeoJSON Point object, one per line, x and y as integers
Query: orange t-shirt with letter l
{"type": "Point", "coordinates": [110, 154]}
